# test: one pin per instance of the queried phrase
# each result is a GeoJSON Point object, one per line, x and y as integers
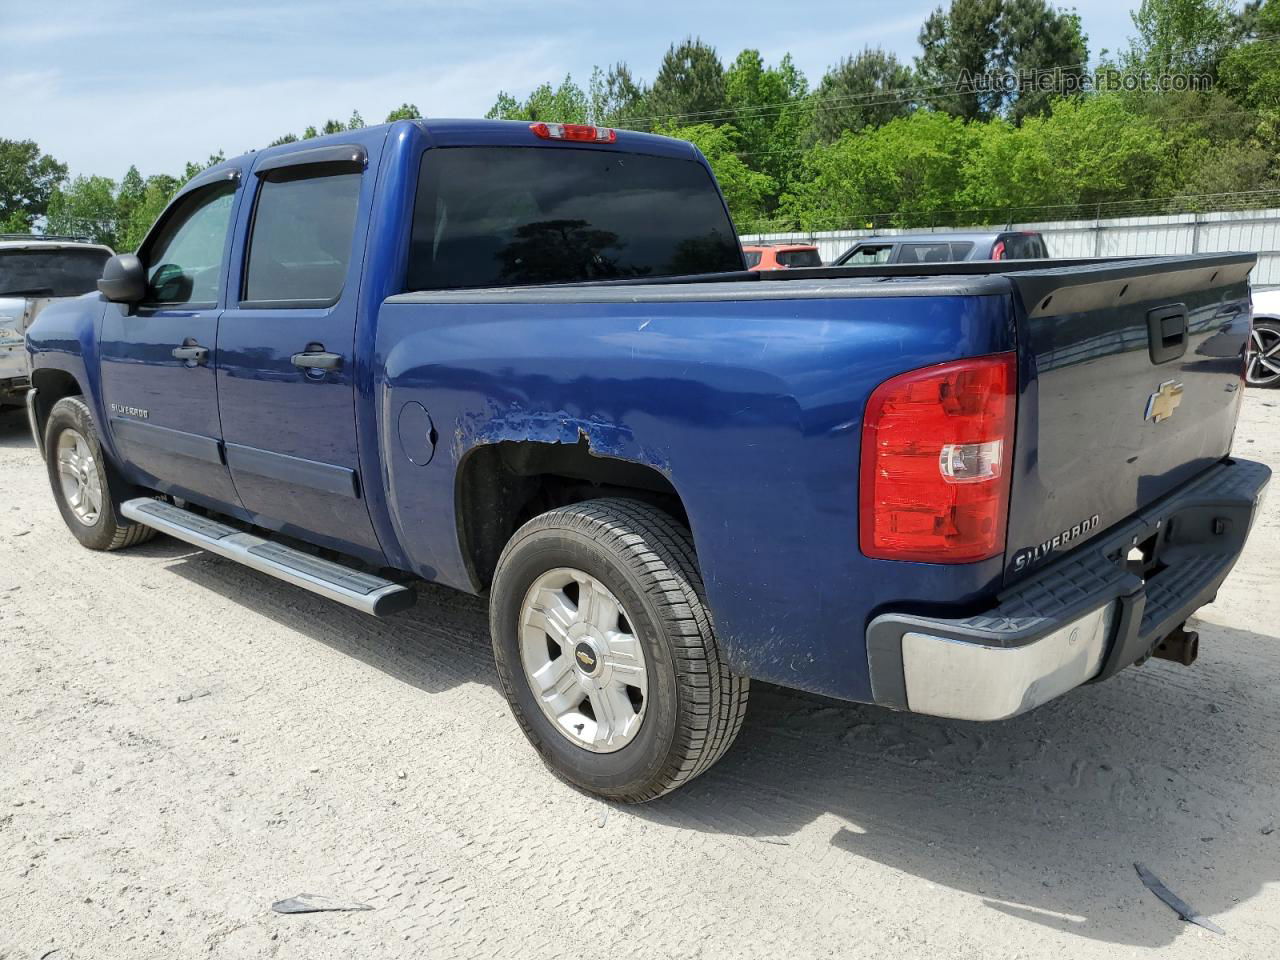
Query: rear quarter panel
{"type": "Point", "coordinates": [751, 408]}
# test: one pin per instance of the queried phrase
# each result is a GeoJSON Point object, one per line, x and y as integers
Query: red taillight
{"type": "Point", "coordinates": [936, 448]}
{"type": "Point", "coordinates": [997, 252]}
{"type": "Point", "coordinates": [584, 133]}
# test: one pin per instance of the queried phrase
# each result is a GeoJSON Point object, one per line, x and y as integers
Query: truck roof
{"type": "Point", "coordinates": [974, 236]}
{"type": "Point", "coordinates": [458, 132]}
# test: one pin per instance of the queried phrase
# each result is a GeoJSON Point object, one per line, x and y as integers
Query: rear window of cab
{"type": "Point", "coordinates": [510, 216]}
{"type": "Point", "coordinates": [799, 258]}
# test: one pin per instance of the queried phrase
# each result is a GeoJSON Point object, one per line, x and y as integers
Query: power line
{"type": "Point", "coordinates": [952, 87]}
{"type": "Point", "coordinates": [911, 93]}
{"type": "Point", "coordinates": [1155, 121]}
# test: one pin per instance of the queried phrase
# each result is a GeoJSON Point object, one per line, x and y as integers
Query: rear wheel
{"type": "Point", "coordinates": [606, 652]}
{"type": "Point", "coordinates": [88, 492]}
{"type": "Point", "coordinates": [1264, 355]}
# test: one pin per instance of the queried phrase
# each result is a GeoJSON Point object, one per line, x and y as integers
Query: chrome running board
{"type": "Point", "coordinates": [356, 589]}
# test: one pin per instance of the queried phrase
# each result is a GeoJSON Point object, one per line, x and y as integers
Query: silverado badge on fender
{"type": "Point", "coordinates": [1162, 403]}
{"type": "Point", "coordinates": [127, 411]}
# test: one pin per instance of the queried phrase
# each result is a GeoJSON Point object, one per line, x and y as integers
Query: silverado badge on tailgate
{"type": "Point", "coordinates": [1162, 403]}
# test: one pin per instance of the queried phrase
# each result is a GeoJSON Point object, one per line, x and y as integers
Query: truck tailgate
{"type": "Point", "coordinates": [1132, 379]}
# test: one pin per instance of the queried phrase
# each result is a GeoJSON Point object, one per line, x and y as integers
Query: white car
{"type": "Point", "coordinates": [33, 271]}
{"type": "Point", "coordinates": [1264, 356]}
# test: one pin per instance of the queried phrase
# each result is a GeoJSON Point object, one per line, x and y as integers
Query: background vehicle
{"type": "Point", "coordinates": [780, 256]}
{"type": "Point", "coordinates": [945, 248]}
{"type": "Point", "coordinates": [1264, 357]}
{"type": "Point", "coordinates": [33, 271]}
{"type": "Point", "coordinates": [527, 360]}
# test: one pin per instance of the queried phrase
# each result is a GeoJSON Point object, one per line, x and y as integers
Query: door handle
{"type": "Point", "coordinates": [315, 358]}
{"type": "Point", "coordinates": [1167, 332]}
{"type": "Point", "coordinates": [191, 353]}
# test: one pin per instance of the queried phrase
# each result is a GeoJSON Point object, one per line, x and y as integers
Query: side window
{"type": "Point", "coordinates": [868, 254]}
{"type": "Point", "coordinates": [925, 253]}
{"type": "Point", "coordinates": [184, 259]}
{"type": "Point", "coordinates": [961, 249]}
{"type": "Point", "coordinates": [300, 243]}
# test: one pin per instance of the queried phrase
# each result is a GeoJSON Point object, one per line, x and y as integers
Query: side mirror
{"type": "Point", "coordinates": [124, 279]}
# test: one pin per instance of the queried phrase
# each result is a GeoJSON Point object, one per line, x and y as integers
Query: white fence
{"type": "Point", "coordinates": [1253, 231]}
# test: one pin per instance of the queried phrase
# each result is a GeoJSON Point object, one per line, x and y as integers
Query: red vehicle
{"type": "Point", "coordinates": [780, 256]}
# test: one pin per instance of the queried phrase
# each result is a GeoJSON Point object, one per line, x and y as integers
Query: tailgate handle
{"type": "Point", "coordinates": [1167, 332]}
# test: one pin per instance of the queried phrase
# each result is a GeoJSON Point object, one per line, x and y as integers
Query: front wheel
{"type": "Point", "coordinates": [606, 653]}
{"type": "Point", "coordinates": [88, 492]}
{"type": "Point", "coordinates": [1264, 355]}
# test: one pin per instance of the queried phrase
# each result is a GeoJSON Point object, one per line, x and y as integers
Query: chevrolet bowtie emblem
{"type": "Point", "coordinates": [1162, 403]}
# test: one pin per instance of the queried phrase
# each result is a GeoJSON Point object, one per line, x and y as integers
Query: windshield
{"type": "Point", "coordinates": [57, 272]}
{"type": "Point", "coordinates": [496, 216]}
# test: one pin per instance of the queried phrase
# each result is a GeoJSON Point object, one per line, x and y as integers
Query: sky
{"type": "Point", "coordinates": [102, 86]}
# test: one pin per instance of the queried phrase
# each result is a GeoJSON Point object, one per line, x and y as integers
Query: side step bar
{"type": "Point", "coordinates": [356, 589]}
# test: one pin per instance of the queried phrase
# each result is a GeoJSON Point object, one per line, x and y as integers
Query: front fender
{"type": "Point", "coordinates": [64, 338]}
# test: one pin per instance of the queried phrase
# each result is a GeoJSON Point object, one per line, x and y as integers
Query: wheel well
{"type": "Point", "coordinates": [502, 485]}
{"type": "Point", "coordinates": [51, 386]}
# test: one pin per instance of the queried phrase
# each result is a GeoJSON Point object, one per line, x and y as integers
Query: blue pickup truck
{"type": "Point", "coordinates": [526, 361]}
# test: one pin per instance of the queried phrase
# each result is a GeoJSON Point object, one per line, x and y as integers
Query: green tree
{"type": "Point", "coordinates": [1086, 152]}
{"type": "Point", "coordinates": [1250, 73]}
{"type": "Point", "coordinates": [906, 173]}
{"type": "Point", "coordinates": [958, 46]}
{"type": "Point", "coordinates": [1181, 36]}
{"type": "Point", "coordinates": [194, 167]}
{"type": "Point", "coordinates": [770, 109]}
{"type": "Point", "coordinates": [1236, 167]}
{"type": "Point", "coordinates": [746, 191]}
{"type": "Point", "coordinates": [156, 194]}
{"type": "Point", "coordinates": [1027, 40]}
{"type": "Point", "coordinates": [615, 98]}
{"type": "Point", "coordinates": [867, 90]}
{"type": "Point", "coordinates": [406, 111]}
{"type": "Point", "coordinates": [689, 88]}
{"type": "Point", "coordinates": [1040, 46]}
{"type": "Point", "coordinates": [129, 196]}
{"type": "Point", "coordinates": [27, 181]}
{"type": "Point", "coordinates": [84, 208]}
{"type": "Point", "coordinates": [566, 103]}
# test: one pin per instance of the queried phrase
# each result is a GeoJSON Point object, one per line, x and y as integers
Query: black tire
{"type": "Point", "coordinates": [1257, 375]}
{"type": "Point", "coordinates": [695, 705]}
{"type": "Point", "coordinates": [109, 531]}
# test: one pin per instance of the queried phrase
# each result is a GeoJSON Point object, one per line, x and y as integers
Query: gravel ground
{"type": "Point", "coordinates": [184, 741]}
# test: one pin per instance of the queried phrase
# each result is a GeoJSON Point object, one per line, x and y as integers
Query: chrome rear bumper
{"type": "Point", "coordinates": [1081, 619]}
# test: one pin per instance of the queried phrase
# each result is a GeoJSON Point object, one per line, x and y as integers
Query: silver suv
{"type": "Point", "coordinates": [33, 271]}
